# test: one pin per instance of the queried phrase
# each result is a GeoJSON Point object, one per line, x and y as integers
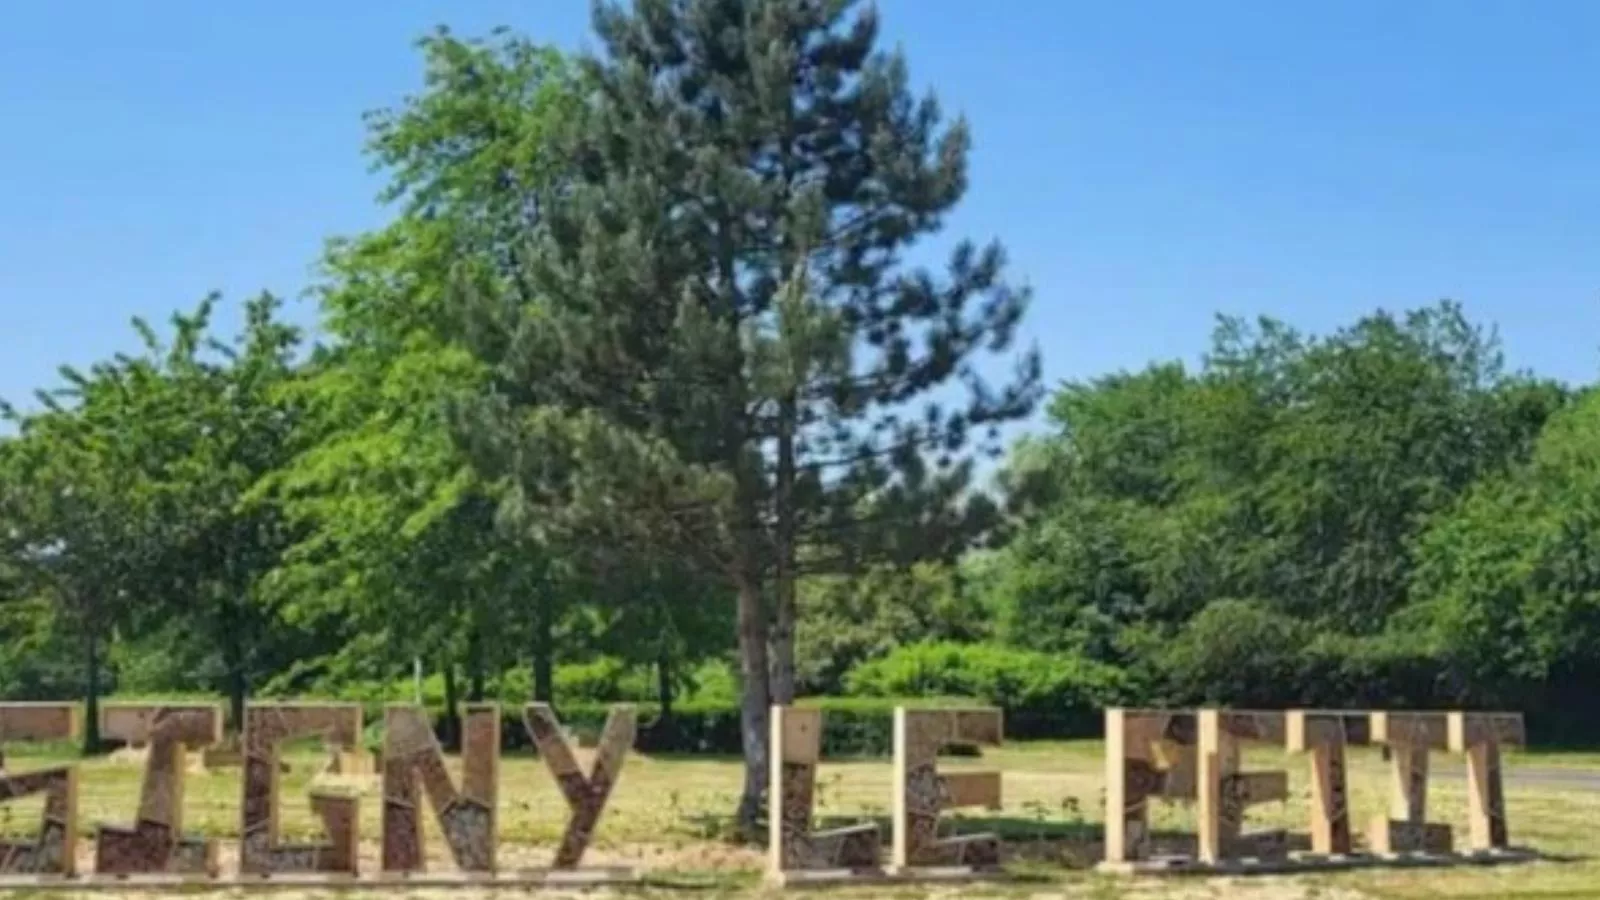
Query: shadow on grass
{"type": "Point", "coordinates": [1039, 849]}
{"type": "Point", "coordinates": [1073, 843]}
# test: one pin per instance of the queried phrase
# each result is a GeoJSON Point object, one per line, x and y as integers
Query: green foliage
{"type": "Point", "coordinates": [1043, 694]}
{"type": "Point", "coordinates": [636, 388]}
{"type": "Point", "coordinates": [1511, 588]}
{"type": "Point", "coordinates": [846, 621]}
{"type": "Point", "coordinates": [1295, 471]}
{"type": "Point", "coordinates": [1236, 652]}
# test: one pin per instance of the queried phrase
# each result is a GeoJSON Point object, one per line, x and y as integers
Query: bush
{"type": "Point", "coordinates": [1389, 671]}
{"type": "Point", "coordinates": [714, 681]}
{"type": "Point", "coordinates": [605, 679]}
{"type": "Point", "coordinates": [1044, 695]}
{"type": "Point", "coordinates": [1235, 652]}
{"type": "Point", "coordinates": [1245, 654]}
{"type": "Point", "coordinates": [852, 726]}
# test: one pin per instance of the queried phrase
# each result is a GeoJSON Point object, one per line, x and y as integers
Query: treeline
{"type": "Point", "coordinates": [1381, 516]}
{"type": "Point", "coordinates": [635, 398]}
{"type": "Point", "coordinates": [1378, 517]}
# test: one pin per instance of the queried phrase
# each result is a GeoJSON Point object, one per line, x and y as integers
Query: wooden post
{"type": "Point", "coordinates": [1480, 736]}
{"type": "Point", "coordinates": [1410, 737]}
{"type": "Point", "coordinates": [1324, 736]}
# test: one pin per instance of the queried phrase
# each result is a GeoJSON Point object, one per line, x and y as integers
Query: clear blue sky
{"type": "Point", "coordinates": [1148, 164]}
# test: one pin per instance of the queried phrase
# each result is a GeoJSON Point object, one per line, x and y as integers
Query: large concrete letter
{"type": "Point", "coordinates": [792, 846]}
{"type": "Point", "coordinates": [466, 816]}
{"type": "Point", "coordinates": [266, 726]}
{"type": "Point", "coordinates": [921, 793]}
{"type": "Point", "coordinates": [155, 841]}
{"type": "Point", "coordinates": [54, 851]}
{"type": "Point", "coordinates": [586, 796]}
{"type": "Point", "coordinates": [1480, 736]}
{"type": "Point", "coordinates": [1225, 792]}
{"type": "Point", "coordinates": [1149, 753]}
{"type": "Point", "coordinates": [1410, 736]}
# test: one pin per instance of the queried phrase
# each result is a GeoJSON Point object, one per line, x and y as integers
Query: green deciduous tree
{"type": "Point", "coordinates": [1289, 473]}
{"type": "Point", "coordinates": [85, 512]}
{"type": "Point", "coordinates": [1507, 581]}
{"type": "Point", "coordinates": [232, 423]}
{"type": "Point", "coordinates": [126, 495]}
{"type": "Point", "coordinates": [404, 542]}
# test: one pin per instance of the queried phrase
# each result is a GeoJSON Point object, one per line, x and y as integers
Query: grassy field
{"type": "Point", "coordinates": [668, 816]}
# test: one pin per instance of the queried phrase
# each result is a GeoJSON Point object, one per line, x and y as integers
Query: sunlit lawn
{"type": "Point", "coordinates": [668, 816]}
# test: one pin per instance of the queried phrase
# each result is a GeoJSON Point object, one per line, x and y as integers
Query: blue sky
{"type": "Point", "coordinates": [1148, 164]}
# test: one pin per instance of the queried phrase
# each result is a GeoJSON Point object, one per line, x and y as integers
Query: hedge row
{"type": "Point", "coordinates": [852, 726]}
{"type": "Point", "coordinates": [1045, 695]}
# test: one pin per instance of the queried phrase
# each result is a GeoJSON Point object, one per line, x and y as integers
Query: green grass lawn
{"type": "Point", "coordinates": [667, 817]}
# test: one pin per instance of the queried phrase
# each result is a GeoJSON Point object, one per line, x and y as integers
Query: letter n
{"type": "Point", "coordinates": [411, 753]}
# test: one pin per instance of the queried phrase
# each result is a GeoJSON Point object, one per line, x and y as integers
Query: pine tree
{"type": "Point", "coordinates": [728, 356]}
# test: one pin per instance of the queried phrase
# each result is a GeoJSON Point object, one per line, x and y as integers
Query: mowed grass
{"type": "Point", "coordinates": [671, 817]}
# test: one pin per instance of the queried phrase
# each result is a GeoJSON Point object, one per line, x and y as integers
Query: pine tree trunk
{"type": "Point", "coordinates": [755, 708]}
{"type": "Point", "coordinates": [783, 675]}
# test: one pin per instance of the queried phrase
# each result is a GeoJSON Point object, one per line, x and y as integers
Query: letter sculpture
{"type": "Point", "coordinates": [1149, 753]}
{"type": "Point", "coordinates": [586, 795]}
{"type": "Point", "coordinates": [1225, 792]}
{"type": "Point", "coordinates": [921, 793]}
{"type": "Point", "coordinates": [1410, 737]}
{"type": "Point", "coordinates": [1185, 755]}
{"type": "Point", "coordinates": [1324, 735]}
{"type": "Point", "coordinates": [266, 726]}
{"type": "Point", "coordinates": [155, 842]}
{"type": "Point", "coordinates": [54, 851]}
{"type": "Point", "coordinates": [792, 846]}
{"type": "Point", "coordinates": [796, 854]}
{"type": "Point", "coordinates": [466, 816]}
{"type": "Point", "coordinates": [1145, 757]}
{"type": "Point", "coordinates": [1480, 736]}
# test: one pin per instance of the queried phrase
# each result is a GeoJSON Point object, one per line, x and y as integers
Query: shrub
{"type": "Point", "coordinates": [852, 726]}
{"type": "Point", "coordinates": [1388, 671]}
{"type": "Point", "coordinates": [1044, 695]}
{"type": "Point", "coordinates": [605, 679]}
{"type": "Point", "coordinates": [714, 681]}
{"type": "Point", "coordinates": [1235, 652]}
